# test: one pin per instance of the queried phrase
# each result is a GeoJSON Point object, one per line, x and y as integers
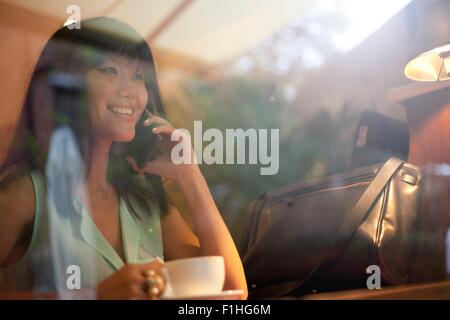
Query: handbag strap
{"type": "Point", "coordinates": [362, 208]}
{"type": "Point", "coordinates": [345, 232]}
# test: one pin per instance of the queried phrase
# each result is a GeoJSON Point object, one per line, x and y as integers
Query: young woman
{"type": "Point", "coordinates": [98, 85]}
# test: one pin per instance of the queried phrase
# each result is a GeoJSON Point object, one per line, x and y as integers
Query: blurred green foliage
{"type": "Point", "coordinates": [308, 147]}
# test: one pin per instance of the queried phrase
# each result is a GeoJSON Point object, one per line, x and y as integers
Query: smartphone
{"type": "Point", "coordinates": [143, 147]}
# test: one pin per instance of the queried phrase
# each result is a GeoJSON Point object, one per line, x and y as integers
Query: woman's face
{"type": "Point", "coordinates": [117, 97]}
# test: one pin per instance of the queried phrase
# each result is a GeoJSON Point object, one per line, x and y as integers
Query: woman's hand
{"type": "Point", "coordinates": [163, 165]}
{"type": "Point", "coordinates": [133, 282]}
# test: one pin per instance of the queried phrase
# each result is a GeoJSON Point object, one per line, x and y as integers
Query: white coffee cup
{"type": "Point", "coordinates": [199, 276]}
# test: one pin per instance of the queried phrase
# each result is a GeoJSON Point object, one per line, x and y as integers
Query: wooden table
{"type": "Point", "coordinates": [428, 291]}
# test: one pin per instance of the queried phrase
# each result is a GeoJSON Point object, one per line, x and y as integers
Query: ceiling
{"type": "Point", "coordinates": [212, 31]}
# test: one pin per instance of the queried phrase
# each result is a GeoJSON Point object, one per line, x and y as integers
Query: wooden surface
{"type": "Point", "coordinates": [429, 128]}
{"type": "Point", "coordinates": [427, 106]}
{"type": "Point", "coordinates": [427, 291]}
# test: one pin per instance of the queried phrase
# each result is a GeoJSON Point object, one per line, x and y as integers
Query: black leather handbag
{"type": "Point", "coordinates": [322, 235]}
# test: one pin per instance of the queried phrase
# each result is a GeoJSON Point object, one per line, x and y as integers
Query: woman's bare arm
{"type": "Point", "coordinates": [210, 228]}
{"type": "Point", "coordinates": [178, 239]}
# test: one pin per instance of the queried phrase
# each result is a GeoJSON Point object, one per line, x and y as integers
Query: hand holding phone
{"type": "Point", "coordinates": [144, 145]}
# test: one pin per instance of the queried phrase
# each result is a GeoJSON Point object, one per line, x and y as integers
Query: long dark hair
{"type": "Point", "coordinates": [57, 97]}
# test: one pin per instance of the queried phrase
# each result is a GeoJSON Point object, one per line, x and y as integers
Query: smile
{"type": "Point", "coordinates": [121, 110]}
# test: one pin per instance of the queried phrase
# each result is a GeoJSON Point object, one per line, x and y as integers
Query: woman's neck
{"type": "Point", "coordinates": [98, 166]}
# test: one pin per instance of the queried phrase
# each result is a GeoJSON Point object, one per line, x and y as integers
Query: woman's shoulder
{"type": "Point", "coordinates": [16, 181]}
{"type": "Point", "coordinates": [17, 206]}
{"type": "Point", "coordinates": [19, 177]}
{"type": "Point", "coordinates": [17, 194]}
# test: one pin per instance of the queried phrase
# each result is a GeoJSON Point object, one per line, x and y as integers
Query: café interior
{"type": "Point", "coordinates": [350, 85]}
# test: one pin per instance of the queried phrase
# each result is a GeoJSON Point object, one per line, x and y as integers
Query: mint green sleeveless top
{"type": "Point", "coordinates": [64, 247]}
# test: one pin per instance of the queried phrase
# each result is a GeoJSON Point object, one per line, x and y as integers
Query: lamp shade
{"type": "Point", "coordinates": [431, 46]}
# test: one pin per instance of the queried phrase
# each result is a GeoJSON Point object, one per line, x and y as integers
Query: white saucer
{"type": "Point", "coordinates": [224, 295]}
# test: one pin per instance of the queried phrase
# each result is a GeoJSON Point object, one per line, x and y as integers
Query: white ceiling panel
{"type": "Point", "coordinates": [208, 30]}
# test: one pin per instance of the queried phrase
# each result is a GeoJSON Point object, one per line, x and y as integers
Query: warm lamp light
{"type": "Point", "coordinates": [433, 65]}
{"type": "Point", "coordinates": [431, 46]}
